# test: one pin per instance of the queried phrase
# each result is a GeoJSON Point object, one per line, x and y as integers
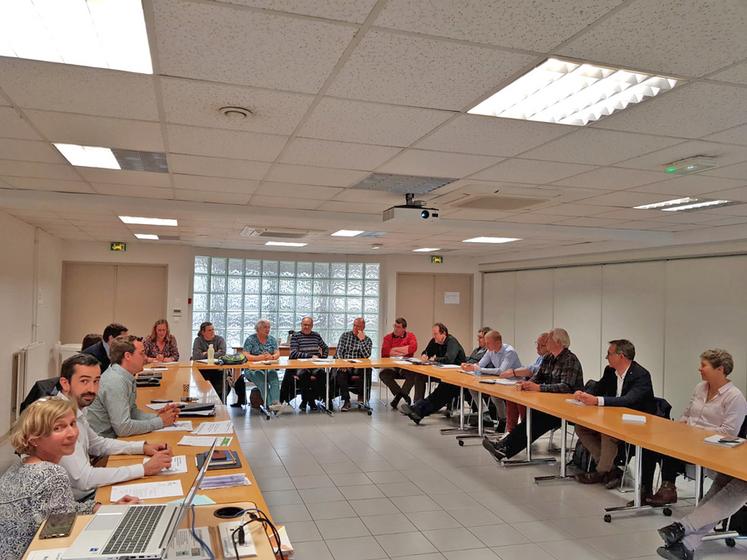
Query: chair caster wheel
{"type": "Point", "coordinates": [607, 518]}
{"type": "Point", "coordinates": [667, 512]}
{"type": "Point", "coordinates": [731, 543]}
{"type": "Point", "coordinates": [370, 413]}
{"type": "Point", "coordinates": [461, 443]}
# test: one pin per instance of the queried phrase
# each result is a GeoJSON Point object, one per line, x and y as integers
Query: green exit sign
{"type": "Point", "coordinates": [437, 259]}
{"type": "Point", "coordinates": [117, 246]}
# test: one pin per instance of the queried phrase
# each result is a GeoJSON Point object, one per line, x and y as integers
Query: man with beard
{"type": "Point", "coordinates": [79, 380]}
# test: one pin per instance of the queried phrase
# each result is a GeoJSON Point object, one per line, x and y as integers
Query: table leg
{"type": "Point", "coordinates": [529, 459]}
{"type": "Point", "coordinates": [479, 414]}
{"type": "Point", "coordinates": [637, 507]}
{"type": "Point", "coordinates": [698, 484]}
{"type": "Point", "coordinates": [223, 375]}
{"type": "Point", "coordinates": [461, 408]}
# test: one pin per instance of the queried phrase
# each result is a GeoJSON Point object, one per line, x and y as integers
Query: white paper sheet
{"type": "Point", "coordinates": [156, 405]}
{"type": "Point", "coordinates": [179, 426]}
{"type": "Point", "coordinates": [184, 545]}
{"type": "Point", "coordinates": [574, 401]}
{"type": "Point", "coordinates": [205, 441]}
{"type": "Point", "coordinates": [506, 381]}
{"type": "Point", "coordinates": [148, 490]}
{"type": "Point", "coordinates": [451, 366]}
{"type": "Point", "coordinates": [214, 428]}
{"type": "Point", "coordinates": [178, 465]}
{"type": "Point", "coordinates": [49, 554]}
{"type": "Point", "coordinates": [401, 362]}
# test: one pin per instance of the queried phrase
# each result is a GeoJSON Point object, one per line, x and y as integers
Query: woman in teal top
{"type": "Point", "coordinates": [259, 347]}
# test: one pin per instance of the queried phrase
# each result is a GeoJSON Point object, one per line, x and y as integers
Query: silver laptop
{"type": "Point", "coordinates": [137, 531]}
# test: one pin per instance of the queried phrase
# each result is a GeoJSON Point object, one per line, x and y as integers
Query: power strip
{"type": "Point", "coordinates": [246, 549]}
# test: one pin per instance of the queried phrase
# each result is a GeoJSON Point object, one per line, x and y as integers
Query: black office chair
{"type": "Point", "coordinates": [42, 388]}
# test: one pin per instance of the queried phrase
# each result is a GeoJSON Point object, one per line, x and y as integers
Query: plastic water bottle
{"type": "Point", "coordinates": [211, 354]}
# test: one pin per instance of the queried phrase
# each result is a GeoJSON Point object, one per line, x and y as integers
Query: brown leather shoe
{"type": "Point", "coordinates": [667, 494]}
{"type": "Point", "coordinates": [592, 477]}
{"type": "Point", "coordinates": [612, 478]}
{"type": "Point", "coordinates": [645, 496]}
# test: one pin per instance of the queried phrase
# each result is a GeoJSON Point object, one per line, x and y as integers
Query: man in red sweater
{"type": "Point", "coordinates": [401, 344]}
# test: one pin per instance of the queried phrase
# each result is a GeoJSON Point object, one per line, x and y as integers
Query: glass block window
{"type": "Point", "coordinates": [234, 293]}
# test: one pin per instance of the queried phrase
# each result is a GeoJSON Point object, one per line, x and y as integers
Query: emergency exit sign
{"type": "Point", "coordinates": [117, 246]}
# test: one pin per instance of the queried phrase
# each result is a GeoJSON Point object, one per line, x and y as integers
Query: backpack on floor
{"type": "Point", "coordinates": [582, 459]}
{"type": "Point", "coordinates": [255, 398]}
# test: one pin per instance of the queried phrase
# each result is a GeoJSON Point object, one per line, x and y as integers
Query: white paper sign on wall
{"type": "Point", "coordinates": [451, 298]}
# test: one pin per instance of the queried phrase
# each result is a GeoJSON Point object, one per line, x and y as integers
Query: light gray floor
{"type": "Point", "coordinates": [356, 487]}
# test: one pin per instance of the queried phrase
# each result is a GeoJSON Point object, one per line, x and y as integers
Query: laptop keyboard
{"type": "Point", "coordinates": [135, 531]}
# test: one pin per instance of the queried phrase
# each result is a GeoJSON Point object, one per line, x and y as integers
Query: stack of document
{"type": "Point", "coordinates": [212, 428]}
{"type": "Point", "coordinates": [148, 490]}
{"type": "Point", "coordinates": [205, 441]}
{"type": "Point", "coordinates": [224, 481]}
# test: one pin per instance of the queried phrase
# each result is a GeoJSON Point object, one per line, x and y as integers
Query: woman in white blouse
{"type": "Point", "coordinates": [717, 405]}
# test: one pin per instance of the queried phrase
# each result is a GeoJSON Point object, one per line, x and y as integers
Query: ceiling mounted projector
{"type": "Point", "coordinates": [411, 211]}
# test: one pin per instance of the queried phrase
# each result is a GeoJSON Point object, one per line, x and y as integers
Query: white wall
{"type": "Point", "coordinates": [180, 261]}
{"type": "Point", "coordinates": [671, 310]}
{"type": "Point", "coordinates": [30, 263]}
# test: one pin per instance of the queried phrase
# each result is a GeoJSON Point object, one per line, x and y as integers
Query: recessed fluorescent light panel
{"type": "Point", "coordinates": [137, 220]}
{"type": "Point", "coordinates": [665, 203]}
{"type": "Point", "coordinates": [491, 240]}
{"type": "Point", "coordinates": [564, 92]}
{"type": "Point", "coordinates": [697, 205]}
{"type": "Point", "coordinates": [285, 244]}
{"type": "Point", "coordinates": [88, 156]}
{"type": "Point", "coordinates": [347, 233]}
{"type": "Point", "coordinates": [95, 33]}
{"type": "Point", "coordinates": [152, 236]}
{"type": "Point", "coordinates": [426, 249]}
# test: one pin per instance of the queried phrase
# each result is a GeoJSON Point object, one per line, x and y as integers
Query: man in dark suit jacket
{"type": "Point", "coordinates": [100, 350]}
{"type": "Point", "coordinates": [623, 383]}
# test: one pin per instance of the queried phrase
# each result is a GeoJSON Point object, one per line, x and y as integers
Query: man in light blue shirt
{"type": "Point", "coordinates": [498, 358]}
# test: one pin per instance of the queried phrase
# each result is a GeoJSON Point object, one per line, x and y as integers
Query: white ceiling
{"type": "Point", "coordinates": [341, 88]}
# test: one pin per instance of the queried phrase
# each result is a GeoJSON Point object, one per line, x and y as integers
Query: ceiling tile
{"type": "Point", "coordinates": [600, 147]}
{"type": "Point", "coordinates": [691, 37]}
{"type": "Point", "coordinates": [283, 202]}
{"type": "Point", "coordinates": [78, 89]}
{"type": "Point", "coordinates": [303, 174]}
{"type": "Point", "coordinates": [12, 125]}
{"type": "Point", "coordinates": [690, 111]}
{"type": "Point", "coordinates": [88, 130]}
{"type": "Point", "coordinates": [439, 164]}
{"type": "Point", "coordinates": [215, 184]}
{"type": "Point", "coordinates": [297, 191]}
{"type": "Point", "coordinates": [365, 197]}
{"type": "Point", "coordinates": [343, 10]}
{"type": "Point", "coordinates": [591, 222]}
{"type": "Point", "coordinates": [740, 194]}
{"type": "Point", "coordinates": [29, 150]}
{"type": "Point", "coordinates": [197, 103]}
{"type": "Point", "coordinates": [57, 185]}
{"type": "Point", "coordinates": [523, 24]}
{"type": "Point", "coordinates": [224, 143]}
{"type": "Point", "coordinates": [370, 123]}
{"type": "Point", "coordinates": [336, 154]}
{"type": "Point", "coordinates": [691, 185]}
{"type": "Point", "coordinates": [228, 44]}
{"type": "Point", "coordinates": [352, 207]}
{"type": "Point", "coordinates": [736, 74]}
{"type": "Point", "coordinates": [133, 190]}
{"type": "Point", "coordinates": [491, 136]}
{"type": "Point", "coordinates": [217, 167]}
{"type": "Point", "coordinates": [531, 171]}
{"type": "Point", "coordinates": [738, 171]}
{"type": "Point", "coordinates": [725, 154]}
{"type": "Point", "coordinates": [37, 169]}
{"type": "Point", "coordinates": [574, 210]}
{"type": "Point", "coordinates": [120, 177]}
{"type": "Point", "coordinates": [735, 135]}
{"type": "Point", "coordinates": [211, 196]}
{"type": "Point", "coordinates": [613, 178]}
{"type": "Point", "coordinates": [424, 72]}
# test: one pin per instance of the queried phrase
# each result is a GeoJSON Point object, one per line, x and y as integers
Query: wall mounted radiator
{"type": "Point", "coordinates": [30, 364]}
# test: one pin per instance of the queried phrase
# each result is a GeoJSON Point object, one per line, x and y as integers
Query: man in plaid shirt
{"type": "Point", "coordinates": [352, 344]}
{"type": "Point", "coordinates": [560, 372]}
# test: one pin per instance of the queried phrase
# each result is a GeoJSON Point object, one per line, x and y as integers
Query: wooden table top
{"type": "Point", "coordinates": [203, 518]}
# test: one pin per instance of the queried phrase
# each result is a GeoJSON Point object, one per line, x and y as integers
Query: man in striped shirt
{"type": "Point", "coordinates": [309, 344]}
{"type": "Point", "coordinates": [352, 344]}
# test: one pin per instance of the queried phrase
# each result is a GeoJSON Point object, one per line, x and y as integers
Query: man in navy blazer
{"type": "Point", "coordinates": [623, 383]}
{"type": "Point", "coordinates": [100, 350]}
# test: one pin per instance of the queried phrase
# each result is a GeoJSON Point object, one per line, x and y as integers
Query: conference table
{"type": "Point", "coordinates": [674, 439]}
{"type": "Point", "coordinates": [182, 380]}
